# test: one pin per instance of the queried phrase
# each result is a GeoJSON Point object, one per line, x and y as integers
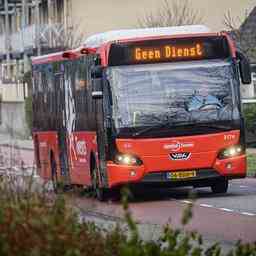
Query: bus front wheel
{"type": "Point", "coordinates": [220, 186]}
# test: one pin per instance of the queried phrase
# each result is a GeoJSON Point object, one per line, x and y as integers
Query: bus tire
{"type": "Point", "coordinates": [220, 186]}
{"type": "Point", "coordinates": [54, 175]}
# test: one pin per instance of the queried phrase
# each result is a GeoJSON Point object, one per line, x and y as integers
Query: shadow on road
{"type": "Point", "coordinates": [140, 195]}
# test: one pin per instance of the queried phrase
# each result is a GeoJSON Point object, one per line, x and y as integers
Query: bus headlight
{"type": "Point", "coordinates": [232, 151]}
{"type": "Point", "coordinates": [127, 159]}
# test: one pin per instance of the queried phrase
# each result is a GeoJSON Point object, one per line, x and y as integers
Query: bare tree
{"type": "Point", "coordinates": [174, 13]}
{"type": "Point", "coordinates": [72, 37]}
{"type": "Point", "coordinates": [57, 36]}
{"type": "Point", "coordinates": [239, 29]}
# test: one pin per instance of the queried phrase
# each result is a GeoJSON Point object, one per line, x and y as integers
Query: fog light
{"type": "Point", "coordinates": [229, 165]}
{"type": "Point", "coordinates": [133, 173]}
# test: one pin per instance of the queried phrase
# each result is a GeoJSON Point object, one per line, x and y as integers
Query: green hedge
{"type": "Point", "coordinates": [251, 165]}
{"type": "Point", "coordinates": [250, 117]}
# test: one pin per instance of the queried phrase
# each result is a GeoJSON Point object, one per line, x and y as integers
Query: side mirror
{"type": "Point", "coordinates": [97, 89]}
{"type": "Point", "coordinates": [244, 68]}
{"type": "Point", "coordinates": [96, 72]}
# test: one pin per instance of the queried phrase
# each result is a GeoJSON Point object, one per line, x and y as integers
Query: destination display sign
{"type": "Point", "coordinates": [168, 50]}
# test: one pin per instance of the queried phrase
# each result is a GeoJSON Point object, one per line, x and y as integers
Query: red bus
{"type": "Point", "coordinates": [158, 107]}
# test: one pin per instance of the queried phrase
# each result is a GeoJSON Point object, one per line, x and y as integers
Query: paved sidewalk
{"type": "Point", "coordinates": [6, 140]}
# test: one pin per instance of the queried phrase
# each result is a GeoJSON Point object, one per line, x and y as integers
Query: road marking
{"type": "Point", "coordinates": [226, 209]}
{"type": "Point", "coordinates": [217, 208]}
{"type": "Point", "coordinates": [187, 202]}
{"type": "Point", "coordinates": [207, 205]}
{"type": "Point", "coordinates": [241, 186]}
{"type": "Point", "coordinates": [248, 213]}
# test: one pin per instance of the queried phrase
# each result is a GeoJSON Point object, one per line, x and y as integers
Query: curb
{"type": "Point", "coordinates": [16, 147]}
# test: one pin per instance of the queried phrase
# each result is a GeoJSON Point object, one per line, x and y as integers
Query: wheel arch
{"type": "Point", "coordinates": [52, 160]}
{"type": "Point", "coordinates": [37, 150]}
{"type": "Point", "coordinates": [93, 162]}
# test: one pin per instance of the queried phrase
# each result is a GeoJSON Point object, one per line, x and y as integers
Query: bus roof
{"type": "Point", "coordinates": [57, 56]}
{"type": "Point", "coordinates": [97, 40]}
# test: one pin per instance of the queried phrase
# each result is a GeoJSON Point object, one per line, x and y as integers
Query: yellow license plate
{"type": "Point", "coordinates": [181, 175]}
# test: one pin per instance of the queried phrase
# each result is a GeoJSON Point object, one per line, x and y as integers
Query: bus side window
{"type": "Point", "coordinates": [40, 97]}
{"type": "Point", "coordinates": [81, 94]}
{"type": "Point", "coordinates": [80, 78]}
{"type": "Point", "coordinates": [35, 80]}
{"type": "Point", "coordinates": [91, 102]}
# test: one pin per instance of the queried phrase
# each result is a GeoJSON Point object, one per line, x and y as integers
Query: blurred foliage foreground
{"type": "Point", "coordinates": [250, 123]}
{"type": "Point", "coordinates": [34, 222]}
{"type": "Point", "coordinates": [251, 165]}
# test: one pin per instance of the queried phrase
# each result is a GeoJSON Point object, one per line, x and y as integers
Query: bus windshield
{"type": "Point", "coordinates": [181, 93]}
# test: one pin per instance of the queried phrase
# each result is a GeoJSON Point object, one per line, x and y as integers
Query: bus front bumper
{"type": "Point", "coordinates": [122, 174]}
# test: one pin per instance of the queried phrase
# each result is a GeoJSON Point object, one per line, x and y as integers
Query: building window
{"type": "Point", "coordinates": [59, 11]}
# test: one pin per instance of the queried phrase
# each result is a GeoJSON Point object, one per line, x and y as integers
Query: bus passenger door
{"type": "Point", "coordinates": [61, 126]}
{"type": "Point", "coordinates": [80, 135]}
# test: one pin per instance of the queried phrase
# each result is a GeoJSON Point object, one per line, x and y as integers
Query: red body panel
{"type": "Point", "coordinates": [154, 154]}
{"type": "Point", "coordinates": [45, 142]}
{"type": "Point", "coordinates": [80, 146]}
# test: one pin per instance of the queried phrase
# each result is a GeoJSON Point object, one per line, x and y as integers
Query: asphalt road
{"type": "Point", "coordinates": [226, 218]}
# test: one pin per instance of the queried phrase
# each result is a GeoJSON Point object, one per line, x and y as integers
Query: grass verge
{"type": "Point", "coordinates": [251, 162]}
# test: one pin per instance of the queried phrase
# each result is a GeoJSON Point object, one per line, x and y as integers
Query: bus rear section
{"type": "Point", "coordinates": [167, 112]}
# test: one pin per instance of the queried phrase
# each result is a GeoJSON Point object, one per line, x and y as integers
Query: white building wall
{"type": "Point", "coordinates": [12, 110]}
{"type": "Point", "coordinates": [13, 92]}
{"type": "Point", "coordinates": [94, 16]}
{"type": "Point", "coordinates": [13, 119]}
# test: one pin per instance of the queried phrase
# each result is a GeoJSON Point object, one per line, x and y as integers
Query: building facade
{"type": "Point", "coordinates": [27, 28]}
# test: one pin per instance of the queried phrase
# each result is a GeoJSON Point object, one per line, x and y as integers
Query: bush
{"type": "Point", "coordinates": [250, 117]}
{"type": "Point", "coordinates": [37, 223]}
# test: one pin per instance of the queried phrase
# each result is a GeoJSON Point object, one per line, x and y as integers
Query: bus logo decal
{"type": "Point", "coordinates": [180, 156]}
{"type": "Point", "coordinates": [81, 148]}
{"type": "Point", "coordinates": [176, 145]}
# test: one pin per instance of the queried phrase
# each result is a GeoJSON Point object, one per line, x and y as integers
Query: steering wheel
{"type": "Point", "coordinates": [218, 105]}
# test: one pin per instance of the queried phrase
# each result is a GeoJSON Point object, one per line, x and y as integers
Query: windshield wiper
{"type": "Point", "coordinates": [162, 125]}
{"type": "Point", "coordinates": [195, 124]}
{"type": "Point", "coordinates": [214, 126]}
